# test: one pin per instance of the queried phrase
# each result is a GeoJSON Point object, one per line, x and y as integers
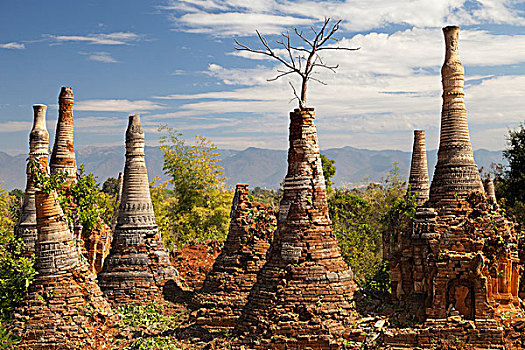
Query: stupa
{"type": "Point", "coordinates": [227, 285]}
{"type": "Point", "coordinates": [64, 307]}
{"type": "Point", "coordinates": [418, 179]}
{"type": "Point", "coordinates": [459, 261]}
{"type": "Point", "coordinates": [302, 295]}
{"type": "Point", "coordinates": [38, 150]}
{"type": "Point", "coordinates": [63, 156]}
{"type": "Point", "coordinates": [138, 265]}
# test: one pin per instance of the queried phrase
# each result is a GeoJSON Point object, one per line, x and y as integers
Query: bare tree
{"type": "Point", "coordinates": [298, 59]}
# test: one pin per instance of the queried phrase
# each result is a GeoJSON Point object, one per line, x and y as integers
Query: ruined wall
{"type": "Point", "coordinates": [138, 265]}
{"type": "Point", "coordinates": [223, 295]}
{"type": "Point", "coordinates": [38, 150]}
{"type": "Point", "coordinates": [302, 295]}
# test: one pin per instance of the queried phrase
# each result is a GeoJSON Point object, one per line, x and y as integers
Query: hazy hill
{"type": "Point", "coordinates": [256, 166]}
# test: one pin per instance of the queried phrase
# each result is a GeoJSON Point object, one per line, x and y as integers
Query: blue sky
{"type": "Point", "coordinates": [174, 62]}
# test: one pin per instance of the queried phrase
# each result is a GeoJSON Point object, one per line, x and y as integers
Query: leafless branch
{"type": "Point", "coordinates": [298, 59]}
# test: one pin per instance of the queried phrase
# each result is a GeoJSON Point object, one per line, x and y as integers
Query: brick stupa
{"type": "Point", "coordinates": [138, 265]}
{"type": "Point", "coordinates": [38, 150]}
{"type": "Point", "coordinates": [418, 181]}
{"type": "Point", "coordinates": [63, 156]}
{"type": "Point", "coordinates": [64, 307]}
{"type": "Point", "coordinates": [227, 285]}
{"type": "Point", "coordinates": [302, 295]}
{"type": "Point", "coordinates": [459, 261]}
{"type": "Point", "coordinates": [456, 174]}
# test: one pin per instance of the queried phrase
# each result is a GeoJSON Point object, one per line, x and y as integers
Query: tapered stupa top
{"type": "Point", "coordinates": [63, 155]}
{"type": "Point", "coordinates": [135, 199]}
{"type": "Point", "coordinates": [39, 136]}
{"type": "Point", "coordinates": [456, 173]}
{"type": "Point", "coordinates": [66, 93]}
{"type": "Point", "coordinates": [38, 150]}
{"type": "Point", "coordinates": [418, 179]}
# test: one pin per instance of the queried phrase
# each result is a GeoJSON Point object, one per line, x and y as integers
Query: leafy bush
{"type": "Point", "coordinates": [16, 271]}
{"type": "Point", "coordinates": [360, 219]}
{"type": "Point", "coordinates": [198, 206]}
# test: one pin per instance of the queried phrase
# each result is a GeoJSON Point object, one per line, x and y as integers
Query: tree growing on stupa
{"type": "Point", "coordinates": [301, 59]}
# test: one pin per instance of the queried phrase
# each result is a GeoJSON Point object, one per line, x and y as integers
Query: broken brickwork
{"type": "Point", "coordinates": [97, 244]}
{"type": "Point", "coordinates": [418, 181]}
{"type": "Point", "coordinates": [138, 265]}
{"type": "Point", "coordinates": [227, 285]}
{"type": "Point", "coordinates": [301, 298]}
{"type": "Point", "coordinates": [64, 308]}
{"type": "Point", "coordinates": [459, 259]}
{"type": "Point", "coordinates": [38, 150]}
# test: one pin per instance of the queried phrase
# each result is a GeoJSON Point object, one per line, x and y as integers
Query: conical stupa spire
{"type": "Point", "coordinates": [63, 155]}
{"type": "Point", "coordinates": [38, 150]}
{"type": "Point", "coordinates": [305, 280]}
{"type": "Point", "coordinates": [418, 179]}
{"type": "Point", "coordinates": [138, 264]}
{"type": "Point", "coordinates": [456, 173]}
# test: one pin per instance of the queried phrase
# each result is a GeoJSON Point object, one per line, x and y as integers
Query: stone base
{"type": "Point", "coordinates": [66, 311]}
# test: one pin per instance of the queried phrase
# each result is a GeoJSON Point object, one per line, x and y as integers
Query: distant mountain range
{"type": "Point", "coordinates": [265, 168]}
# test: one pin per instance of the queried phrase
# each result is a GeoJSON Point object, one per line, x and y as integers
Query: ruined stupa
{"type": "Point", "coordinates": [302, 295]}
{"type": "Point", "coordinates": [458, 262]}
{"type": "Point", "coordinates": [64, 307]}
{"type": "Point", "coordinates": [418, 181]}
{"type": "Point", "coordinates": [38, 150]}
{"type": "Point", "coordinates": [63, 156]}
{"type": "Point", "coordinates": [227, 285]}
{"type": "Point", "coordinates": [138, 265]}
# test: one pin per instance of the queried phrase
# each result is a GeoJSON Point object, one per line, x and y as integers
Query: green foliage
{"type": "Point", "coordinates": [150, 318]}
{"type": "Point", "coordinates": [150, 315]}
{"type": "Point", "coordinates": [266, 196]}
{"type": "Point", "coordinates": [8, 340]}
{"type": "Point", "coordinates": [155, 343]}
{"type": "Point", "coordinates": [110, 186]}
{"type": "Point", "coordinates": [360, 219]}
{"type": "Point", "coordinates": [328, 170]}
{"type": "Point", "coordinates": [16, 273]}
{"type": "Point", "coordinates": [44, 181]}
{"type": "Point", "coordinates": [509, 181]}
{"type": "Point", "coordinates": [200, 204]}
{"type": "Point", "coordinates": [359, 236]}
{"type": "Point", "coordinates": [7, 216]}
{"type": "Point", "coordinates": [16, 201]}
{"type": "Point", "coordinates": [90, 205]}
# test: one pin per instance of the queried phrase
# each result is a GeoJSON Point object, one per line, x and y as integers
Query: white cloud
{"type": "Point", "coordinates": [118, 38]}
{"type": "Point", "coordinates": [379, 94]}
{"type": "Point", "coordinates": [14, 126]}
{"type": "Point", "coordinates": [236, 17]}
{"type": "Point", "coordinates": [104, 57]}
{"type": "Point", "coordinates": [117, 105]}
{"type": "Point", "coordinates": [13, 46]}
